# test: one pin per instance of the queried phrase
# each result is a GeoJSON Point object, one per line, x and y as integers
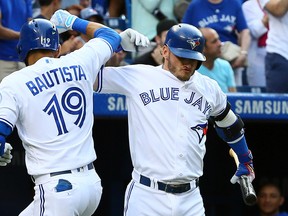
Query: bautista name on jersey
{"type": "Point", "coordinates": [54, 77]}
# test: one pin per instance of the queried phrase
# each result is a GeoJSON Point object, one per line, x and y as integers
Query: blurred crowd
{"type": "Point", "coordinates": [244, 49]}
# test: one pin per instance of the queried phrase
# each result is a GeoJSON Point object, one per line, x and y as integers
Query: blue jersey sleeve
{"type": "Point", "coordinates": [109, 35]}
{"type": "Point", "coordinates": [5, 129]}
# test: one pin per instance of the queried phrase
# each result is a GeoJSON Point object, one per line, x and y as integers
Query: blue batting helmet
{"type": "Point", "coordinates": [186, 41]}
{"type": "Point", "coordinates": [37, 34]}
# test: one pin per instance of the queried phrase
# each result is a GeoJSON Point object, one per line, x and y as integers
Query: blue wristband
{"type": "Point", "coordinates": [80, 25]}
{"type": "Point", "coordinates": [241, 149]}
{"type": "Point", "coordinates": [2, 145]}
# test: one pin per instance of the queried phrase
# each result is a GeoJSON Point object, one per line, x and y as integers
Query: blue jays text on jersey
{"type": "Point", "coordinates": [172, 93]}
{"type": "Point", "coordinates": [55, 77]}
{"type": "Point", "coordinates": [215, 19]}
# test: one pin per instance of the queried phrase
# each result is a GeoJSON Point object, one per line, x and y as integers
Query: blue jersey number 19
{"type": "Point", "coordinates": [73, 102]}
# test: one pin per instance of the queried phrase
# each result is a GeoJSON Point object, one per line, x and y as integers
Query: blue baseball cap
{"type": "Point", "coordinates": [86, 13]}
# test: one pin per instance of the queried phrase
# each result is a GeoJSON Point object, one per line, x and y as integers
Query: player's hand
{"type": "Point", "coordinates": [7, 156]}
{"type": "Point", "coordinates": [131, 39]}
{"type": "Point", "coordinates": [240, 61]}
{"type": "Point", "coordinates": [245, 168]}
{"type": "Point", "coordinates": [63, 20]}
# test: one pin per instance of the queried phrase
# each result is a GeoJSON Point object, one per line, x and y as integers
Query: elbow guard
{"type": "Point", "coordinates": [231, 133]}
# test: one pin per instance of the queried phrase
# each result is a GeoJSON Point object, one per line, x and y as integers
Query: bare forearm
{"type": "Point", "coordinates": [92, 27]}
{"type": "Point", "coordinates": [245, 40]}
{"type": "Point", "coordinates": [8, 34]}
{"type": "Point", "coordinates": [277, 7]}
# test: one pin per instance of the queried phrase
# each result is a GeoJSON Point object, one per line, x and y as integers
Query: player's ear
{"type": "Point", "coordinates": [281, 201]}
{"type": "Point", "coordinates": [58, 52]}
{"type": "Point", "coordinates": [165, 51]}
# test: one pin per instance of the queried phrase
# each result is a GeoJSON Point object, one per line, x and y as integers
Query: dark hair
{"type": "Point", "coordinates": [44, 2]}
{"type": "Point", "coordinates": [270, 184]}
{"type": "Point", "coordinates": [165, 25]}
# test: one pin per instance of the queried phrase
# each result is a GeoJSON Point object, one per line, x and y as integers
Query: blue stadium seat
{"type": "Point", "coordinates": [128, 13]}
{"type": "Point", "coordinates": [116, 22]}
{"type": "Point", "coordinates": [252, 89]}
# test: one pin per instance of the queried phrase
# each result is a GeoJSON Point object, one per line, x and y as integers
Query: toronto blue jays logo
{"type": "Point", "coordinates": [201, 130]}
{"type": "Point", "coordinates": [194, 42]}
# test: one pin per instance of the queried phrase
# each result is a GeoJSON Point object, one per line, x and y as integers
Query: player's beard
{"type": "Point", "coordinates": [180, 71]}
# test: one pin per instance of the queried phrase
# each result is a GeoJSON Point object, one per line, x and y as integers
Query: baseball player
{"type": "Point", "coordinates": [51, 104]}
{"type": "Point", "coordinates": [168, 111]}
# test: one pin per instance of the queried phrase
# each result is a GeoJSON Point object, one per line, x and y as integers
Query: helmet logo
{"type": "Point", "coordinates": [194, 42]}
{"type": "Point", "coordinates": [45, 42]}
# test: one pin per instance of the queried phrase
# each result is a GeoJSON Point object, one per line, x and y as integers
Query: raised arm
{"type": "Point", "coordinates": [65, 21]}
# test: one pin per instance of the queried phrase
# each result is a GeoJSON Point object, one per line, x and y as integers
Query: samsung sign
{"type": "Point", "coordinates": [247, 105]}
{"type": "Point", "coordinates": [260, 106]}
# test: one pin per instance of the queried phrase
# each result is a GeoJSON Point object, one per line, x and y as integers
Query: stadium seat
{"type": "Point", "coordinates": [116, 22]}
{"type": "Point", "coordinates": [252, 89]}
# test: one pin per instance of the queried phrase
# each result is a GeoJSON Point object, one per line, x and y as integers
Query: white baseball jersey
{"type": "Point", "coordinates": [167, 118]}
{"type": "Point", "coordinates": [51, 104]}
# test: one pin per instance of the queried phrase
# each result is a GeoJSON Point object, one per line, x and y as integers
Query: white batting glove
{"type": "Point", "coordinates": [7, 156]}
{"type": "Point", "coordinates": [63, 20]}
{"type": "Point", "coordinates": [131, 39]}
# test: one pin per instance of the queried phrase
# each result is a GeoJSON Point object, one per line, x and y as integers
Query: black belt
{"type": "Point", "coordinates": [89, 166]}
{"type": "Point", "coordinates": [169, 188]}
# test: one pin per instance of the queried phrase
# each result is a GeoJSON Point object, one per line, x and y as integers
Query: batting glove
{"type": "Point", "coordinates": [63, 20]}
{"type": "Point", "coordinates": [7, 156]}
{"type": "Point", "coordinates": [131, 39]}
{"type": "Point", "coordinates": [245, 167]}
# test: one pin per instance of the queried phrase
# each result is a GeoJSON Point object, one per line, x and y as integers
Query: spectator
{"type": "Point", "coordinates": [152, 11]}
{"type": "Point", "coordinates": [276, 60]}
{"type": "Point", "coordinates": [91, 15]}
{"type": "Point", "coordinates": [154, 56]}
{"type": "Point", "coordinates": [257, 22]}
{"type": "Point", "coordinates": [226, 17]}
{"type": "Point", "coordinates": [35, 8]}
{"type": "Point", "coordinates": [270, 200]}
{"type": "Point", "coordinates": [217, 69]}
{"type": "Point", "coordinates": [48, 7]}
{"type": "Point", "coordinates": [116, 8]}
{"type": "Point", "coordinates": [180, 8]}
{"type": "Point", "coordinates": [100, 6]}
{"type": "Point", "coordinates": [75, 9]}
{"type": "Point", "coordinates": [13, 14]}
{"type": "Point", "coordinates": [85, 3]}
{"type": "Point", "coordinates": [68, 3]}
